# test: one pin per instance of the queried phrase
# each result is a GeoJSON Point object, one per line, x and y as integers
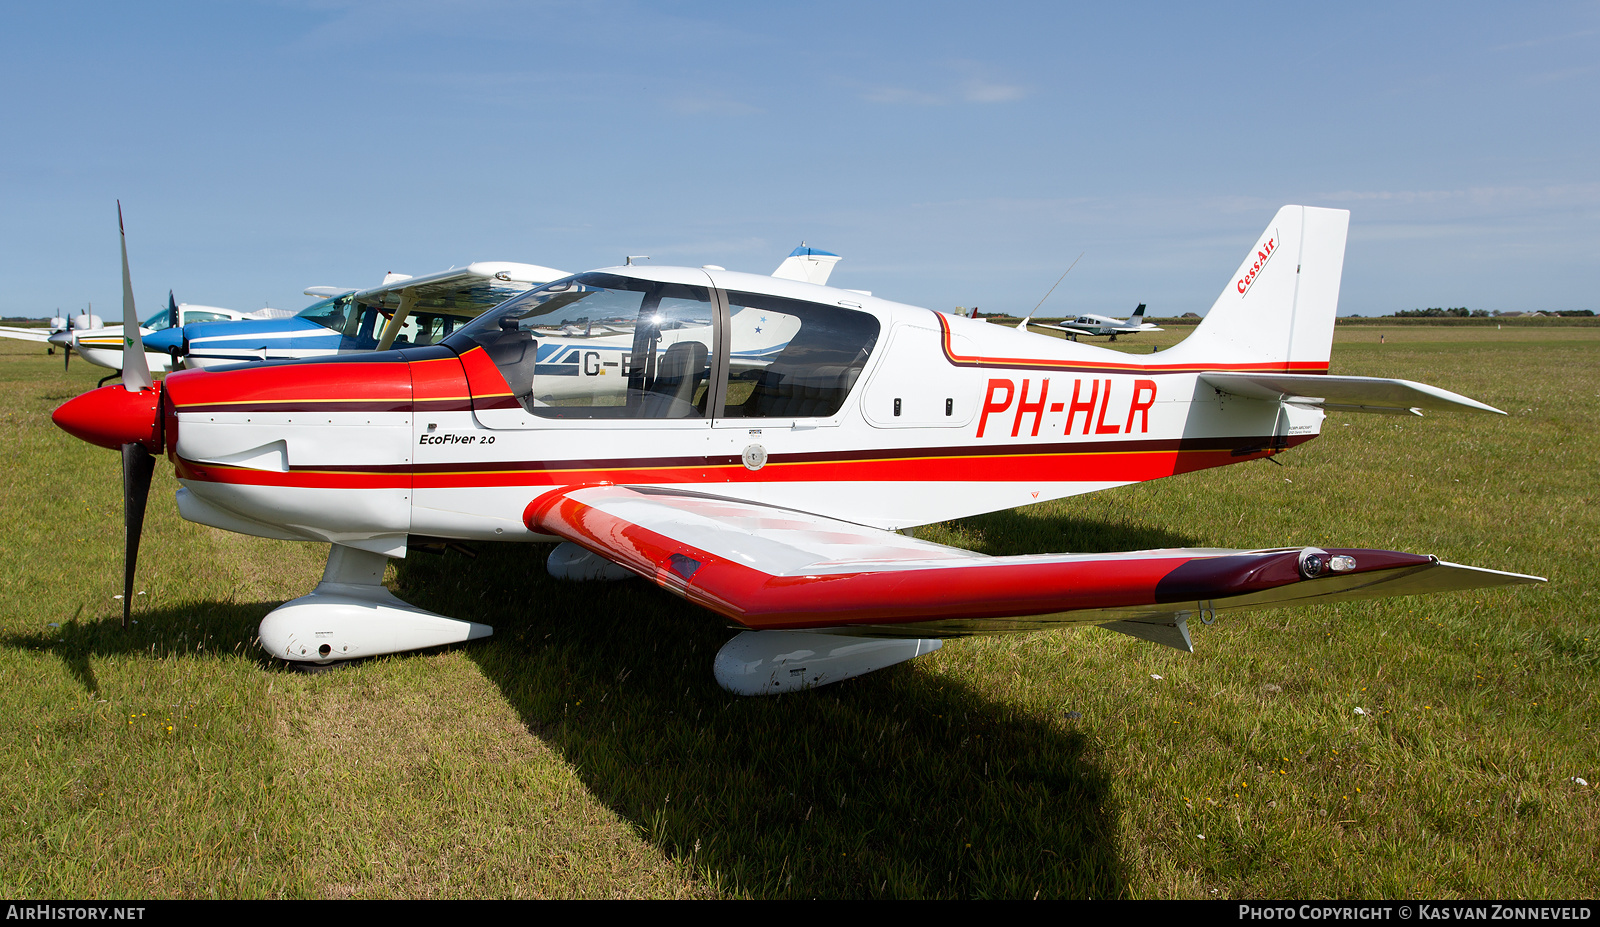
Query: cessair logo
{"type": "Point", "coordinates": [1263, 255]}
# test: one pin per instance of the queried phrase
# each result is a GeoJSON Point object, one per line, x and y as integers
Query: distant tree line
{"type": "Point", "coordinates": [1435, 312]}
{"type": "Point", "coordinates": [1462, 312]}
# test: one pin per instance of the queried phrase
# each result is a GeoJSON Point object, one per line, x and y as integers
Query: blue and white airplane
{"type": "Point", "coordinates": [401, 310]}
{"type": "Point", "coordinates": [423, 310]}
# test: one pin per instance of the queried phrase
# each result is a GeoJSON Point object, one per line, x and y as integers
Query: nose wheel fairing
{"type": "Point", "coordinates": [350, 614]}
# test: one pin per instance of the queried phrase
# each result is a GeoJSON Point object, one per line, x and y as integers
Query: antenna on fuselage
{"type": "Point", "coordinates": [628, 260]}
{"type": "Point", "coordinates": [1057, 283]}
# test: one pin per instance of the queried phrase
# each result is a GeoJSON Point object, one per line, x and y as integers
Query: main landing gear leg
{"type": "Point", "coordinates": [350, 614]}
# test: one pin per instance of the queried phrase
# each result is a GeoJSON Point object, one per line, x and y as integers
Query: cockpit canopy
{"type": "Point", "coordinates": [361, 324]}
{"type": "Point", "coordinates": [603, 345]}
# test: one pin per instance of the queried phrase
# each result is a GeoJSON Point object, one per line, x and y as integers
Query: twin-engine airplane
{"type": "Point", "coordinates": [102, 345]}
{"type": "Point", "coordinates": [772, 491]}
{"type": "Point", "coordinates": [1092, 324]}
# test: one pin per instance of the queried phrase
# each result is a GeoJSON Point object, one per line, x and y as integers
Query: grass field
{"type": "Point", "coordinates": [585, 751]}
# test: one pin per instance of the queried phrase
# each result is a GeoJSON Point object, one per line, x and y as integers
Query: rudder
{"type": "Point", "coordinates": [1277, 311]}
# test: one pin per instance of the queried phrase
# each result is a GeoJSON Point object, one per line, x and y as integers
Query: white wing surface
{"type": "Point", "coordinates": [1350, 394]}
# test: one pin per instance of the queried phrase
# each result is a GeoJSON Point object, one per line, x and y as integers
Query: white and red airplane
{"type": "Point", "coordinates": [772, 493]}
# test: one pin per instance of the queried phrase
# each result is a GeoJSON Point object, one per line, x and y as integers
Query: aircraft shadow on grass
{"type": "Point", "coordinates": [897, 784]}
{"type": "Point", "coordinates": [200, 630]}
{"type": "Point", "coordinates": [1026, 531]}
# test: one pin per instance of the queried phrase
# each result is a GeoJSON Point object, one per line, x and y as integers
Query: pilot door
{"type": "Point", "coordinates": [599, 352]}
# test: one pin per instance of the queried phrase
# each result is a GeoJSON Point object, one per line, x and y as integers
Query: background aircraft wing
{"type": "Point", "coordinates": [1351, 394]}
{"type": "Point", "coordinates": [25, 334]}
{"type": "Point", "coordinates": [471, 289]}
{"type": "Point", "coordinates": [772, 568]}
{"type": "Point", "coordinates": [1061, 328]}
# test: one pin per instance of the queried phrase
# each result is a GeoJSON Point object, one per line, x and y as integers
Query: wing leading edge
{"type": "Point", "coordinates": [775, 569]}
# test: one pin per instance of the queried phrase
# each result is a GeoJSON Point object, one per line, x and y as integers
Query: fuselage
{"type": "Point", "coordinates": [103, 346]}
{"type": "Point", "coordinates": [865, 410]}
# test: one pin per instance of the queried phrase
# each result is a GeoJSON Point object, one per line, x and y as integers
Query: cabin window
{"type": "Point", "coordinates": [793, 359]}
{"type": "Point", "coordinates": [424, 328]}
{"type": "Point", "coordinates": [602, 346]}
{"type": "Point", "coordinates": [329, 313]}
{"type": "Point", "coordinates": [361, 329]}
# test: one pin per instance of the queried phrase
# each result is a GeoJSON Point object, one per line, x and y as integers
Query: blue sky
{"type": "Point", "coordinates": [954, 153]}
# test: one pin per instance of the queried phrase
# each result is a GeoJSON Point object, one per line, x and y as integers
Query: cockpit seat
{"type": "Point", "coordinates": [807, 393]}
{"type": "Point", "coordinates": [678, 375]}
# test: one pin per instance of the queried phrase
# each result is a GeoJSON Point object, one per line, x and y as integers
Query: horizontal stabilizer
{"type": "Point", "coordinates": [1351, 394]}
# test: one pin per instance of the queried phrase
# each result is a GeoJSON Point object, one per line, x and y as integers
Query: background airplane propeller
{"type": "Point", "coordinates": [173, 323]}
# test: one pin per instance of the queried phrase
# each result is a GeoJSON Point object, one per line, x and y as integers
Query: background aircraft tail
{"type": "Point", "coordinates": [1277, 311]}
{"type": "Point", "coordinates": [1138, 314]}
{"type": "Point", "coordinates": [807, 265]}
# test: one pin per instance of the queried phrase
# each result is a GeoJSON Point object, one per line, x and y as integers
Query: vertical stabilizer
{"type": "Point", "coordinates": [1277, 311]}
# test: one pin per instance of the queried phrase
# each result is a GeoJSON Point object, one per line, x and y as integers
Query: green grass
{"type": "Point", "coordinates": [585, 750]}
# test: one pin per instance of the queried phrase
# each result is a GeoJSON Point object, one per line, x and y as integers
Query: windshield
{"type": "Point", "coordinates": [330, 313]}
{"type": "Point", "coordinates": [158, 321]}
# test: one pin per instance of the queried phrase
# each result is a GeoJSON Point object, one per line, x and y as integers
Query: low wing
{"type": "Point", "coordinates": [1351, 394]}
{"type": "Point", "coordinates": [25, 334]}
{"type": "Point", "coordinates": [768, 568]}
{"type": "Point", "coordinates": [1063, 328]}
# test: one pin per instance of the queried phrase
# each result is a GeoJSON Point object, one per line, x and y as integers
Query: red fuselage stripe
{"type": "Point", "coordinates": [1034, 363]}
{"type": "Point", "coordinates": [1062, 466]}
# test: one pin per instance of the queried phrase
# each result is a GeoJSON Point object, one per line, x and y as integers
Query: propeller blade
{"type": "Point", "coordinates": [172, 311]}
{"type": "Point", "coordinates": [135, 369]}
{"type": "Point", "coordinates": [67, 358]}
{"type": "Point", "coordinates": [137, 466]}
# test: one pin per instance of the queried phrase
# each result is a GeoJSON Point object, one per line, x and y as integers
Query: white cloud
{"type": "Point", "coordinates": [902, 95]}
{"type": "Point", "coordinates": [974, 87]}
{"type": "Point", "coordinates": [982, 91]}
{"type": "Point", "coordinates": [712, 106]}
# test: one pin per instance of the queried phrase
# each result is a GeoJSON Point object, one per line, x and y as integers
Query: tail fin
{"type": "Point", "coordinates": [807, 265]}
{"type": "Point", "coordinates": [1138, 314]}
{"type": "Point", "coordinates": [1277, 310]}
